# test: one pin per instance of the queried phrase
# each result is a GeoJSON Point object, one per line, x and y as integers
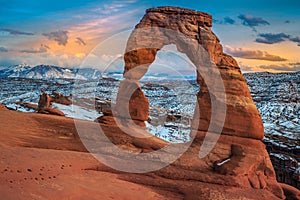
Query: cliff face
{"type": "Point", "coordinates": [239, 159]}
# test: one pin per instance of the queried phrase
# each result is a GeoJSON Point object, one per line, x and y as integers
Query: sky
{"type": "Point", "coordinates": [261, 35]}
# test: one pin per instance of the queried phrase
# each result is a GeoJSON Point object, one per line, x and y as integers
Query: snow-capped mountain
{"type": "Point", "coordinates": [14, 71]}
{"type": "Point", "coordinates": [48, 72]}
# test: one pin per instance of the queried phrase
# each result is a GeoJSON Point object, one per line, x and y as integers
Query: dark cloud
{"type": "Point", "coordinates": [80, 41]}
{"type": "Point", "coordinates": [295, 64]}
{"type": "Point", "coordinates": [251, 21]}
{"type": "Point", "coordinates": [251, 54]}
{"type": "Point", "coordinates": [270, 38]}
{"type": "Point", "coordinates": [287, 21]}
{"type": "Point", "coordinates": [226, 20]}
{"type": "Point", "coordinates": [287, 68]}
{"type": "Point", "coordinates": [61, 37]}
{"type": "Point", "coordinates": [3, 49]}
{"type": "Point", "coordinates": [46, 46]}
{"type": "Point", "coordinates": [43, 49]}
{"type": "Point", "coordinates": [15, 32]}
{"type": "Point", "coordinates": [215, 21]}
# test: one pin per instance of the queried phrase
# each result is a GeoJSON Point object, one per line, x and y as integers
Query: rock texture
{"type": "Point", "coordinates": [61, 99]}
{"type": "Point", "coordinates": [51, 111]}
{"type": "Point", "coordinates": [239, 159]}
{"type": "Point", "coordinates": [188, 29]}
{"type": "Point", "coordinates": [44, 105]}
{"type": "Point", "coordinates": [2, 107]}
{"type": "Point", "coordinates": [44, 101]}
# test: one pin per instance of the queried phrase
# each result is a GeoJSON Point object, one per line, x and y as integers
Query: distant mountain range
{"type": "Point", "coordinates": [47, 72]}
{"type": "Point", "coordinates": [52, 72]}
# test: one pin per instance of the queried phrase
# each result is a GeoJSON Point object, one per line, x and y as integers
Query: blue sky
{"type": "Point", "coordinates": [261, 35]}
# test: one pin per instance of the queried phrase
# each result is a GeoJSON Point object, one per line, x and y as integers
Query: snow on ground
{"type": "Point", "coordinates": [77, 112]}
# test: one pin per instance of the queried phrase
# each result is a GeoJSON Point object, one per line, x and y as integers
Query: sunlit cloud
{"type": "Point", "coordinates": [43, 49]}
{"type": "Point", "coordinates": [287, 68]}
{"type": "Point", "coordinates": [80, 55]}
{"type": "Point", "coordinates": [290, 67]}
{"type": "Point", "coordinates": [252, 54]}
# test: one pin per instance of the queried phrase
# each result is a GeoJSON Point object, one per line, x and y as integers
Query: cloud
{"type": "Point", "coordinates": [15, 32]}
{"type": "Point", "coordinates": [80, 41]}
{"type": "Point", "coordinates": [287, 21]}
{"type": "Point", "coordinates": [43, 49]}
{"type": "Point", "coordinates": [114, 7]}
{"type": "Point", "coordinates": [270, 38]}
{"type": "Point", "coordinates": [226, 20]}
{"type": "Point", "coordinates": [61, 37]}
{"type": "Point", "coordinates": [3, 49]}
{"type": "Point", "coordinates": [246, 68]}
{"type": "Point", "coordinates": [295, 64]}
{"type": "Point", "coordinates": [291, 67]}
{"type": "Point", "coordinates": [251, 21]}
{"type": "Point", "coordinates": [287, 68]}
{"type": "Point", "coordinates": [295, 39]}
{"type": "Point", "coordinates": [252, 54]}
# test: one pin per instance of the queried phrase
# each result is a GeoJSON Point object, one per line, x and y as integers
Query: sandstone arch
{"type": "Point", "coordinates": [242, 117]}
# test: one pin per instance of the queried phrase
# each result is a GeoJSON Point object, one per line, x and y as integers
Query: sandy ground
{"type": "Point", "coordinates": [42, 158]}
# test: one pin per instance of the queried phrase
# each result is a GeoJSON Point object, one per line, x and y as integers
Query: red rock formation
{"type": "Point", "coordinates": [44, 105]}
{"type": "Point", "coordinates": [2, 107]}
{"type": "Point", "coordinates": [44, 101]}
{"type": "Point", "coordinates": [61, 99]}
{"type": "Point", "coordinates": [176, 25]}
{"type": "Point", "coordinates": [51, 111]}
{"type": "Point", "coordinates": [239, 159]}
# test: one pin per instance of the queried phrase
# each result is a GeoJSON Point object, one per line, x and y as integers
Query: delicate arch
{"type": "Point", "coordinates": [192, 29]}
